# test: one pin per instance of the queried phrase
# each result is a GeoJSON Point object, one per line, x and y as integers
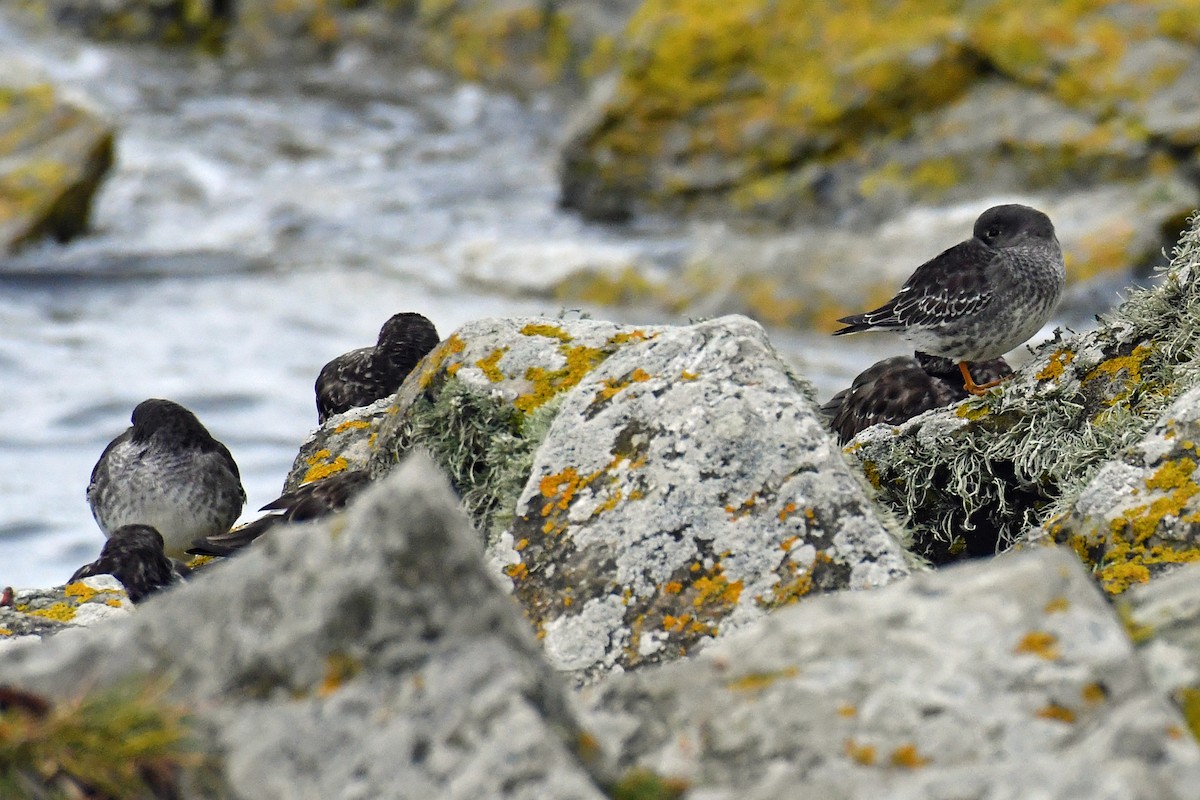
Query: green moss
{"type": "Point", "coordinates": [119, 743]}
{"type": "Point", "coordinates": [642, 784]}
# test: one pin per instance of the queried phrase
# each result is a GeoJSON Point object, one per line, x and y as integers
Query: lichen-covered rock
{"type": "Point", "coordinates": [165, 21]}
{"type": "Point", "coordinates": [790, 112]}
{"type": "Point", "coordinates": [345, 441]}
{"type": "Point", "coordinates": [644, 489]}
{"type": "Point", "coordinates": [519, 44]}
{"type": "Point", "coordinates": [369, 656]}
{"type": "Point", "coordinates": [1008, 679]}
{"type": "Point", "coordinates": [1140, 515]}
{"type": "Point", "coordinates": [1163, 617]}
{"type": "Point", "coordinates": [983, 473]}
{"type": "Point", "coordinates": [43, 612]}
{"type": "Point", "coordinates": [53, 156]}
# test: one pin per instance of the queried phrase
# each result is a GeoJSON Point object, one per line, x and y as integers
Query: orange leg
{"type": "Point", "coordinates": [969, 382]}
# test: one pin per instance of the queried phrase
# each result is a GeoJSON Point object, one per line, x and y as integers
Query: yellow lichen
{"type": "Point", "coordinates": [62, 612]}
{"type": "Point", "coordinates": [547, 330]}
{"type": "Point", "coordinates": [1054, 369]}
{"type": "Point", "coordinates": [434, 361]}
{"type": "Point", "coordinates": [547, 383]}
{"type": "Point", "coordinates": [489, 365]}
{"type": "Point", "coordinates": [1189, 703]}
{"type": "Point", "coordinates": [517, 572]}
{"type": "Point", "coordinates": [1093, 693]}
{"type": "Point", "coordinates": [319, 467]}
{"type": "Point", "coordinates": [352, 424]}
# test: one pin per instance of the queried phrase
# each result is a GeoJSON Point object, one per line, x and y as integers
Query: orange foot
{"type": "Point", "coordinates": [969, 383]}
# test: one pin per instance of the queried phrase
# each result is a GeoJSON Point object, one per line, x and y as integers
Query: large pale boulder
{"type": "Point", "coordinates": [1003, 680]}
{"type": "Point", "coordinates": [643, 489]}
{"type": "Point", "coordinates": [370, 656]}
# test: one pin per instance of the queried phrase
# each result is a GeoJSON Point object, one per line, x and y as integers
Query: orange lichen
{"type": "Point", "coordinates": [1093, 693]}
{"type": "Point", "coordinates": [907, 756]}
{"type": "Point", "coordinates": [1056, 605]}
{"type": "Point", "coordinates": [339, 668]}
{"type": "Point", "coordinates": [1056, 712]}
{"type": "Point", "coordinates": [517, 571]}
{"type": "Point", "coordinates": [613, 386]}
{"type": "Point", "coordinates": [547, 383]}
{"type": "Point", "coordinates": [1042, 644]}
{"type": "Point", "coordinates": [862, 753]}
{"type": "Point", "coordinates": [351, 424]}
{"type": "Point", "coordinates": [688, 376]}
{"type": "Point", "coordinates": [673, 587]}
{"type": "Point", "coordinates": [757, 681]}
{"type": "Point", "coordinates": [847, 710]}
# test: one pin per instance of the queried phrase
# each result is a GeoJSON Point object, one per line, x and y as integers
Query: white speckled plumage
{"type": "Point", "coordinates": [168, 472]}
{"type": "Point", "coordinates": [982, 297]}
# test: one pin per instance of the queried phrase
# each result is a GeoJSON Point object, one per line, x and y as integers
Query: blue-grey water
{"type": "Point", "coordinates": [255, 225]}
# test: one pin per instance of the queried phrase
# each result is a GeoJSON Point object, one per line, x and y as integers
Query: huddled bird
{"type": "Point", "coordinates": [308, 502]}
{"type": "Point", "coordinates": [361, 377]}
{"type": "Point", "coordinates": [134, 556]}
{"type": "Point", "coordinates": [982, 297]}
{"type": "Point", "coordinates": [166, 471]}
{"type": "Point", "coordinates": [897, 389]}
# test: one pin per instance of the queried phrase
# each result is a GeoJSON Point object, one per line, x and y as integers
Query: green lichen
{"type": "Point", "coordinates": [483, 444]}
{"type": "Point", "coordinates": [642, 784]}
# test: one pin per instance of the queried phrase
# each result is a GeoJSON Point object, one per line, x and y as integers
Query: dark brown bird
{"type": "Point", "coordinates": [982, 297]}
{"type": "Point", "coordinates": [168, 472]}
{"type": "Point", "coordinates": [897, 389]}
{"type": "Point", "coordinates": [308, 502]}
{"type": "Point", "coordinates": [134, 555]}
{"type": "Point", "coordinates": [361, 377]}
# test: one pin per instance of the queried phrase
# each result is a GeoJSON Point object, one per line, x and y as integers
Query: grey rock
{"type": "Point", "coordinates": [1163, 617]}
{"type": "Point", "coordinates": [1006, 679]}
{"type": "Point", "coordinates": [369, 656]}
{"type": "Point", "coordinates": [1137, 518]}
{"type": "Point", "coordinates": [36, 613]}
{"type": "Point", "coordinates": [642, 489]}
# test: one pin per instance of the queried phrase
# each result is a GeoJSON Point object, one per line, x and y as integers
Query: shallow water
{"type": "Point", "coordinates": [254, 226]}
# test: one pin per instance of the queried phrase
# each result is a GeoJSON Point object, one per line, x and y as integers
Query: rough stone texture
{"type": "Point", "coordinates": [643, 489]}
{"type": "Point", "coordinates": [1163, 617]}
{"type": "Point", "coordinates": [515, 44]}
{"type": "Point", "coordinates": [1140, 515]}
{"type": "Point", "coordinates": [44, 612]}
{"type": "Point", "coordinates": [982, 473]}
{"type": "Point", "coordinates": [344, 442]}
{"type": "Point", "coordinates": [713, 113]}
{"type": "Point", "coordinates": [166, 21]}
{"type": "Point", "coordinates": [1010, 679]}
{"type": "Point", "coordinates": [369, 656]}
{"type": "Point", "coordinates": [53, 156]}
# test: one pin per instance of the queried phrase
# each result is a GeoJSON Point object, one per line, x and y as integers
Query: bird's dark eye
{"type": "Point", "coordinates": [993, 232]}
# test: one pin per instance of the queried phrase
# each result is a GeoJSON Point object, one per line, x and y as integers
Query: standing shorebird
{"type": "Point", "coordinates": [361, 377]}
{"type": "Point", "coordinates": [982, 297]}
{"type": "Point", "coordinates": [168, 472]}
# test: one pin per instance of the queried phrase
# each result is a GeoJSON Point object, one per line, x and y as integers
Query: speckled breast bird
{"type": "Point", "coordinates": [308, 502]}
{"type": "Point", "coordinates": [361, 377]}
{"type": "Point", "coordinates": [982, 297]}
{"type": "Point", "coordinates": [897, 389]}
{"type": "Point", "coordinates": [134, 555]}
{"type": "Point", "coordinates": [168, 472]}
